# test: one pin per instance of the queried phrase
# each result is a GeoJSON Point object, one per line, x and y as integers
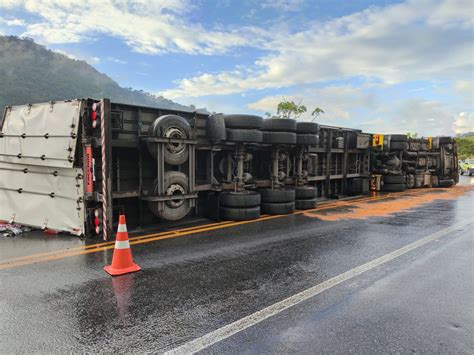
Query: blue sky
{"type": "Point", "coordinates": [377, 65]}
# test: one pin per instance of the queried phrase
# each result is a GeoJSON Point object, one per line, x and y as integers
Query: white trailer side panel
{"type": "Point", "coordinates": [40, 134]}
{"type": "Point", "coordinates": [42, 197]}
{"type": "Point", "coordinates": [39, 183]}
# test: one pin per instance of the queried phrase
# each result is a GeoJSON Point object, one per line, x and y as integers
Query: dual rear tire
{"type": "Point", "coordinates": [305, 197]}
{"type": "Point", "coordinates": [239, 206]}
{"type": "Point", "coordinates": [278, 201]}
{"type": "Point", "coordinates": [243, 128]}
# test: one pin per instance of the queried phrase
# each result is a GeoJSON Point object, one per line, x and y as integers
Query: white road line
{"type": "Point", "coordinates": [227, 331]}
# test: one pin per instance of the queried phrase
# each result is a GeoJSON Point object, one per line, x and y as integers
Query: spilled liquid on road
{"type": "Point", "coordinates": [387, 208]}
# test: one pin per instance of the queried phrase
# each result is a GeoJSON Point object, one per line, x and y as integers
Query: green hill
{"type": "Point", "coordinates": [31, 73]}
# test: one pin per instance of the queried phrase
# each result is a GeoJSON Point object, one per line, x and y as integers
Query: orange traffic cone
{"type": "Point", "coordinates": [122, 261]}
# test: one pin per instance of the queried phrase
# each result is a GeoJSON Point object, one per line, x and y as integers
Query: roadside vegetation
{"type": "Point", "coordinates": [465, 147]}
{"type": "Point", "coordinates": [292, 110]}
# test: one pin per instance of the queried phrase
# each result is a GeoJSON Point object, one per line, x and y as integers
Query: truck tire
{"type": "Point", "coordinates": [239, 199]}
{"type": "Point", "coordinates": [398, 146]}
{"type": "Point", "coordinates": [394, 179]}
{"type": "Point", "coordinates": [170, 126]}
{"type": "Point", "coordinates": [279, 125]}
{"type": "Point", "coordinates": [307, 128]}
{"type": "Point", "coordinates": [277, 195]}
{"type": "Point", "coordinates": [305, 192]}
{"type": "Point", "coordinates": [243, 121]}
{"type": "Point", "coordinates": [445, 183]}
{"type": "Point", "coordinates": [277, 208]}
{"type": "Point", "coordinates": [215, 128]}
{"type": "Point", "coordinates": [279, 137]}
{"type": "Point", "coordinates": [244, 135]}
{"type": "Point", "coordinates": [239, 214]}
{"type": "Point", "coordinates": [307, 139]}
{"type": "Point", "coordinates": [306, 204]}
{"type": "Point", "coordinates": [394, 187]}
{"type": "Point", "coordinates": [398, 138]}
{"type": "Point", "coordinates": [175, 183]}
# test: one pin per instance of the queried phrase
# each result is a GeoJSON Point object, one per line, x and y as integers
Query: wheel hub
{"type": "Point", "coordinates": [175, 133]}
{"type": "Point", "coordinates": [175, 190]}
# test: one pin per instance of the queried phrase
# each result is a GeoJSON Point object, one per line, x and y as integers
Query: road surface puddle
{"type": "Point", "coordinates": [385, 208]}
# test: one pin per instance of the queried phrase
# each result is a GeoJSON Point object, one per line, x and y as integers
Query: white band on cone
{"type": "Point", "coordinates": [122, 228]}
{"type": "Point", "coordinates": [122, 244]}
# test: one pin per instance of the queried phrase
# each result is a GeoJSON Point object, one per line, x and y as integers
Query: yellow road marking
{"type": "Point", "coordinates": [97, 245]}
{"type": "Point", "coordinates": [60, 254]}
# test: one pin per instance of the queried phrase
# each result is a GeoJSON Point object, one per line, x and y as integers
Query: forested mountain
{"type": "Point", "coordinates": [31, 73]}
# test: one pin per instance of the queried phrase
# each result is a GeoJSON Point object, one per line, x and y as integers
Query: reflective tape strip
{"type": "Point", "coordinates": [122, 244]}
{"type": "Point", "coordinates": [122, 228]}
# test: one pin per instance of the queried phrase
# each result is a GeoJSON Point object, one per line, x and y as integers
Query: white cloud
{"type": "Point", "coordinates": [464, 123]}
{"type": "Point", "coordinates": [426, 117]}
{"type": "Point", "coordinates": [150, 27]}
{"type": "Point", "coordinates": [355, 107]}
{"type": "Point", "coordinates": [13, 22]}
{"type": "Point", "coordinates": [465, 89]}
{"type": "Point", "coordinates": [409, 41]}
{"type": "Point", "coordinates": [116, 60]}
{"type": "Point", "coordinates": [282, 5]}
{"type": "Point", "coordinates": [336, 101]}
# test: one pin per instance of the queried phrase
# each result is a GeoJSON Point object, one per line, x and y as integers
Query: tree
{"type": "Point", "coordinates": [318, 111]}
{"type": "Point", "coordinates": [465, 147]}
{"type": "Point", "coordinates": [412, 134]}
{"type": "Point", "coordinates": [291, 109]}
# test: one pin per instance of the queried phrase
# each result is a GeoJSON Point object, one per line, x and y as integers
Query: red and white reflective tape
{"type": "Point", "coordinates": [122, 244]}
{"type": "Point", "coordinates": [104, 177]}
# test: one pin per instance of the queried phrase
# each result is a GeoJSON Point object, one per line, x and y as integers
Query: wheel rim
{"type": "Point", "coordinates": [175, 190]}
{"type": "Point", "coordinates": [175, 133]}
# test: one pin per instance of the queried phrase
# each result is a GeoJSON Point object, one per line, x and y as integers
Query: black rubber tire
{"type": "Point", "coordinates": [279, 137]}
{"type": "Point", "coordinates": [239, 214]}
{"type": "Point", "coordinates": [278, 208]}
{"type": "Point", "coordinates": [398, 146]}
{"type": "Point", "coordinates": [243, 121]}
{"type": "Point", "coordinates": [394, 187]}
{"type": "Point", "coordinates": [279, 125]}
{"type": "Point", "coordinates": [277, 195]}
{"type": "Point", "coordinates": [398, 138]}
{"type": "Point", "coordinates": [215, 128]}
{"type": "Point", "coordinates": [446, 183]}
{"type": "Point", "coordinates": [306, 204]}
{"type": "Point", "coordinates": [170, 213]}
{"type": "Point", "coordinates": [239, 199]}
{"type": "Point", "coordinates": [307, 139]}
{"type": "Point", "coordinates": [307, 127]}
{"type": "Point", "coordinates": [244, 135]}
{"type": "Point", "coordinates": [305, 192]}
{"type": "Point", "coordinates": [161, 124]}
{"type": "Point", "coordinates": [395, 179]}
{"type": "Point", "coordinates": [174, 154]}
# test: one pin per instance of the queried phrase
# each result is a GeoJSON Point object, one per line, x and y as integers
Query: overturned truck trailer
{"type": "Point", "coordinates": [74, 165]}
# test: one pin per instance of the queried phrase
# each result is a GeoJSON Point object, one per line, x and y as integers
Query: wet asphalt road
{"type": "Point", "coordinates": [191, 285]}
